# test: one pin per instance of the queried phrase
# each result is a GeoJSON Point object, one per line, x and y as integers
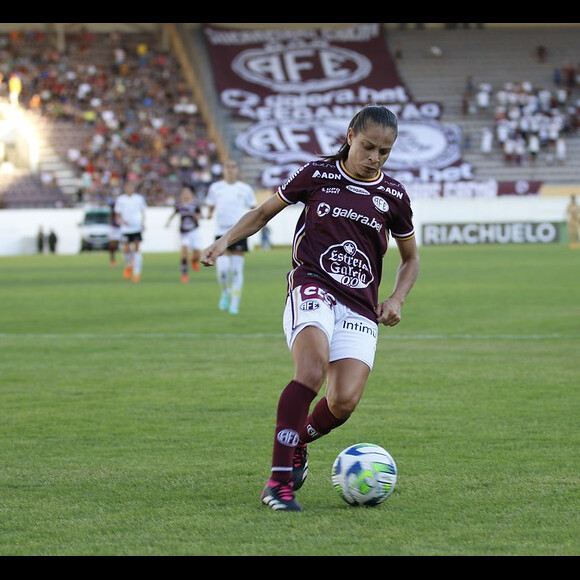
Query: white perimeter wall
{"type": "Point", "coordinates": [18, 228]}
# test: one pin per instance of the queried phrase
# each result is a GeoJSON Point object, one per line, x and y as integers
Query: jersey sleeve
{"type": "Point", "coordinates": [210, 196]}
{"type": "Point", "coordinates": [295, 188]}
{"type": "Point", "coordinates": [402, 227]}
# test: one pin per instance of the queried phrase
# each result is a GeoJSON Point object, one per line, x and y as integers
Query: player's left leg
{"type": "Point", "coordinates": [237, 276]}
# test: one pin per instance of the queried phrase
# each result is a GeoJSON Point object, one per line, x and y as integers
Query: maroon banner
{"type": "Point", "coordinates": [300, 87]}
{"type": "Point", "coordinates": [465, 189]}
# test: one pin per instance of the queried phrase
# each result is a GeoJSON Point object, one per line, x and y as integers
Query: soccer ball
{"type": "Point", "coordinates": [364, 474]}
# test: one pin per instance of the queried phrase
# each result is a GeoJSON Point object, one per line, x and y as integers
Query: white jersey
{"type": "Point", "coordinates": [131, 208]}
{"type": "Point", "coordinates": [231, 201]}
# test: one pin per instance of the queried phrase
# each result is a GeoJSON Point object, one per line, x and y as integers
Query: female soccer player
{"type": "Point", "coordinates": [189, 210]}
{"type": "Point", "coordinates": [332, 312]}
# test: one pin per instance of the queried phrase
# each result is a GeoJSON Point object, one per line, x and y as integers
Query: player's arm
{"type": "Point", "coordinates": [209, 211]}
{"type": "Point", "coordinates": [250, 223]}
{"type": "Point", "coordinates": [197, 216]}
{"type": "Point", "coordinates": [171, 217]}
{"type": "Point", "coordinates": [389, 311]}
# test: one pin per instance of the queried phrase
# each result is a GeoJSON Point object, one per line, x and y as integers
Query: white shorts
{"type": "Point", "coordinates": [192, 239]}
{"type": "Point", "coordinates": [350, 335]}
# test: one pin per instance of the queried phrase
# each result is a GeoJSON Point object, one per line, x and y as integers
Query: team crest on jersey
{"type": "Point", "coordinates": [358, 190]}
{"type": "Point", "coordinates": [310, 305]}
{"type": "Point", "coordinates": [380, 204]}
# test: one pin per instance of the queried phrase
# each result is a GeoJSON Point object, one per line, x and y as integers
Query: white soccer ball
{"type": "Point", "coordinates": [364, 474]}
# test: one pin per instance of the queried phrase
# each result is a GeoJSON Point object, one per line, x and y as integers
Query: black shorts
{"type": "Point", "coordinates": [129, 238]}
{"type": "Point", "coordinates": [241, 246]}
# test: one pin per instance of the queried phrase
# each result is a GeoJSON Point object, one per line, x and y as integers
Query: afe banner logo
{"type": "Point", "coordinates": [291, 142]}
{"type": "Point", "coordinates": [302, 69]}
{"type": "Point", "coordinates": [423, 142]}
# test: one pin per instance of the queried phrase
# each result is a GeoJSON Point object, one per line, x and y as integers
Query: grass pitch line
{"type": "Point", "coordinates": [259, 336]}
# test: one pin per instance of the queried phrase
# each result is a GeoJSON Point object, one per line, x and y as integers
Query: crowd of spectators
{"type": "Point", "coordinates": [144, 123]}
{"type": "Point", "coordinates": [527, 123]}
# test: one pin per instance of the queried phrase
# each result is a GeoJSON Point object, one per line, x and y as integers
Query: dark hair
{"type": "Point", "coordinates": [377, 114]}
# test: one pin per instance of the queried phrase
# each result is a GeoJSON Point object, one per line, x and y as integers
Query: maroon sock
{"type": "Point", "coordinates": [320, 422]}
{"type": "Point", "coordinates": [292, 410]}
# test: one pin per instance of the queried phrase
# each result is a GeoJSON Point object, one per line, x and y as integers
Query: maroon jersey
{"type": "Point", "coordinates": [189, 214]}
{"type": "Point", "coordinates": [343, 232]}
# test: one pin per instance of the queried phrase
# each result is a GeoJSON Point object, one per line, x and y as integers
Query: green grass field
{"type": "Point", "coordinates": [137, 419]}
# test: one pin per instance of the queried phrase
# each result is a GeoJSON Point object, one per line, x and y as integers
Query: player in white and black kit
{"type": "Point", "coordinates": [130, 208]}
{"type": "Point", "coordinates": [188, 208]}
{"type": "Point", "coordinates": [351, 210]}
{"type": "Point", "coordinates": [229, 199]}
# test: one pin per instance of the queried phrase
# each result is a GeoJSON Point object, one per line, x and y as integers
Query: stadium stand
{"type": "Point", "coordinates": [494, 56]}
{"type": "Point", "coordinates": [108, 107]}
{"type": "Point", "coordinates": [138, 70]}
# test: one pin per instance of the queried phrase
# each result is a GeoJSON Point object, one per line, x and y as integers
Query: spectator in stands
{"type": "Point", "coordinates": [486, 141]}
{"type": "Point", "coordinates": [561, 150]}
{"type": "Point", "coordinates": [436, 51]}
{"type": "Point", "coordinates": [134, 97]}
{"type": "Point", "coordinates": [541, 53]}
{"type": "Point", "coordinates": [533, 147]}
{"type": "Point", "coordinates": [14, 89]}
{"type": "Point", "coordinates": [483, 98]}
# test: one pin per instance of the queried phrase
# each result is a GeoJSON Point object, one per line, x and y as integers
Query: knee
{"type": "Point", "coordinates": [341, 409]}
{"type": "Point", "coordinates": [313, 375]}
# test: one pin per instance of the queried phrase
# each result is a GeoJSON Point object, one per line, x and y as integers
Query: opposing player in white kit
{"type": "Point", "coordinates": [229, 199]}
{"type": "Point", "coordinates": [130, 208]}
{"type": "Point", "coordinates": [351, 210]}
{"type": "Point", "coordinates": [188, 209]}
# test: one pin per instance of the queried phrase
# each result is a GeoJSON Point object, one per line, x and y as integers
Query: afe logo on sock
{"type": "Point", "coordinates": [288, 437]}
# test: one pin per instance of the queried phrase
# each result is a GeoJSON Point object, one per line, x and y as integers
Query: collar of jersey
{"type": "Point", "coordinates": [343, 170]}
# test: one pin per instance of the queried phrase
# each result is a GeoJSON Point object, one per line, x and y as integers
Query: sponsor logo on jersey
{"type": "Point", "coordinates": [283, 187]}
{"type": "Point", "coordinates": [325, 175]}
{"type": "Point", "coordinates": [394, 192]}
{"type": "Point", "coordinates": [311, 292]}
{"type": "Point", "coordinates": [333, 190]}
{"type": "Point", "coordinates": [324, 209]}
{"type": "Point", "coordinates": [346, 264]}
{"type": "Point", "coordinates": [358, 327]}
{"type": "Point", "coordinates": [380, 204]}
{"type": "Point", "coordinates": [312, 431]}
{"type": "Point", "coordinates": [358, 190]}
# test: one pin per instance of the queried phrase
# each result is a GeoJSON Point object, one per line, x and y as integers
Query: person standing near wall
{"type": "Point", "coordinates": [52, 240]}
{"type": "Point", "coordinates": [40, 241]}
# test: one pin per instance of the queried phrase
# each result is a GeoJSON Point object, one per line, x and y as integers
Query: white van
{"type": "Point", "coordinates": [96, 229]}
